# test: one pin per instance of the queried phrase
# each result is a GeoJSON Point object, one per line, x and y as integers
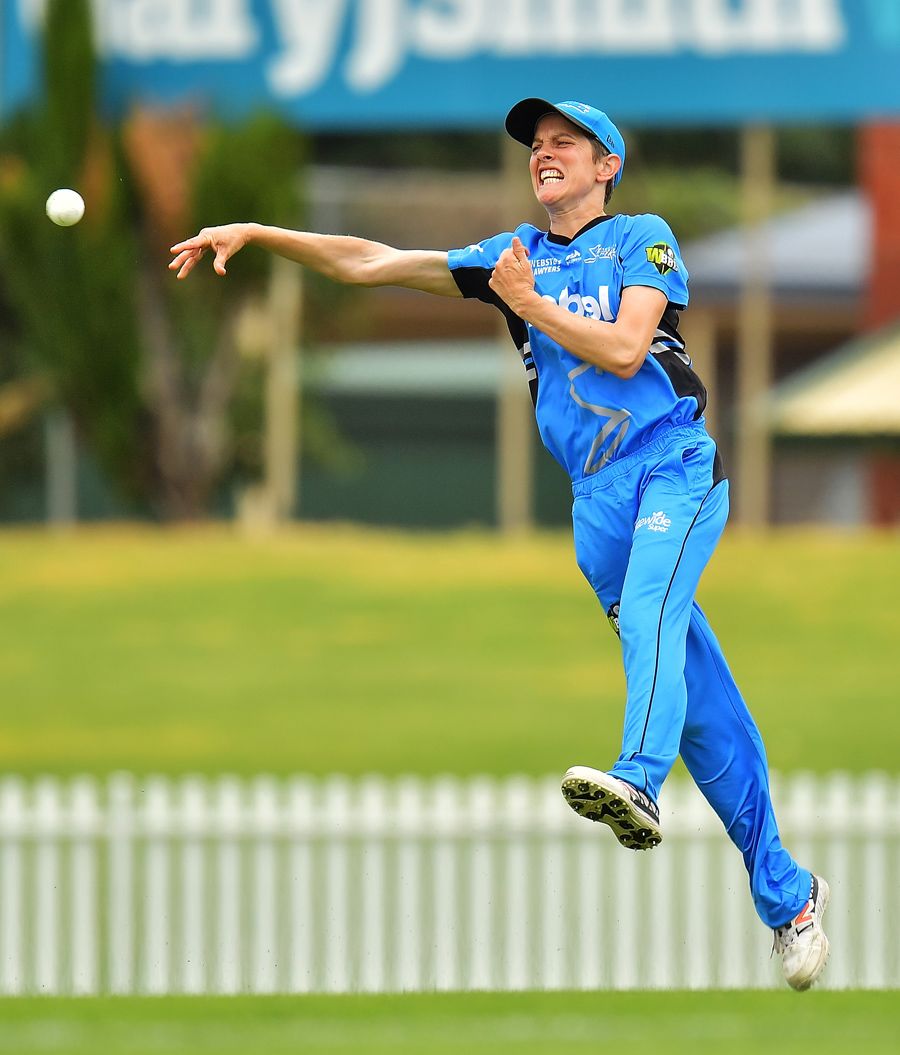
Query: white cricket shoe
{"type": "Point", "coordinates": [802, 942]}
{"type": "Point", "coordinates": [598, 796]}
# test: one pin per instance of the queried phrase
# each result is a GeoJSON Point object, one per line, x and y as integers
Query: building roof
{"type": "Point", "coordinates": [820, 251]}
{"type": "Point", "coordinates": [855, 391]}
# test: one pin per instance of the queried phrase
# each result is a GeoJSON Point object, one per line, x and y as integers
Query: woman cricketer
{"type": "Point", "coordinates": [592, 304]}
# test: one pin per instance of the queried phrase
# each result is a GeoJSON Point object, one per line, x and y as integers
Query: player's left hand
{"type": "Point", "coordinates": [513, 279]}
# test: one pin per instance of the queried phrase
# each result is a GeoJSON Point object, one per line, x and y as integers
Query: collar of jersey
{"type": "Point", "coordinates": [560, 239]}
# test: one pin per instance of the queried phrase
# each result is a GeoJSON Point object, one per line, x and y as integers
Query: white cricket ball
{"type": "Point", "coordinates": [65, 207]}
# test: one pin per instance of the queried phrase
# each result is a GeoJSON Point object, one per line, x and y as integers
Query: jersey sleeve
{"type": "Point", "coordinates": [651, 257]}
{"type": "Point", "coordinates": [473, 266]}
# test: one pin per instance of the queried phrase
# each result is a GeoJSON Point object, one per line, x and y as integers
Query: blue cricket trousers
{"type": "Point", "coordinates": [645, 527]}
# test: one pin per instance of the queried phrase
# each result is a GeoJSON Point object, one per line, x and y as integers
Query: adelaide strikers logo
{"type": "Point", "coordinates": [662, 257]}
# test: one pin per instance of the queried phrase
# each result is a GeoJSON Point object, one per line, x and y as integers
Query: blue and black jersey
{"type": "Point", "coordinates": [588, 417]}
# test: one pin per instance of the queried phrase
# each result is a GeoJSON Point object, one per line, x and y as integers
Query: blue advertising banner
{"type": "Point", "coordinates": [356, 64]}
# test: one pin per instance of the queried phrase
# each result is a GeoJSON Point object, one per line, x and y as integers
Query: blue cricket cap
{"type": "Point", "coordinates": [524, 116]}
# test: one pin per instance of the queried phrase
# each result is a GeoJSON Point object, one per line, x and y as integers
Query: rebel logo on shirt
{"type": "Point", "coordinates": [662, 257]}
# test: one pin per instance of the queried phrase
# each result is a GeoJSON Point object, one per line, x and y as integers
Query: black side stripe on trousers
{"type": "Point", "coordinates": [662, 613]}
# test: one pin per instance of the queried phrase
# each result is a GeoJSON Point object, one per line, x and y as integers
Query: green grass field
{"type": "Point", "coordinates": [474, 1024]}
{"type": "Point", "coordinates": [336, 649]}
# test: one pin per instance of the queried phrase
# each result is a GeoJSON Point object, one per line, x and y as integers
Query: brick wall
{"type": "Point", "coordinates": [879, 164]}
{"type": "Point", "coordinates": [879, 169]}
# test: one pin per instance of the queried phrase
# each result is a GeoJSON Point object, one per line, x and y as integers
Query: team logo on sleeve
{"type": "Point", "coordinates": [662, 257]}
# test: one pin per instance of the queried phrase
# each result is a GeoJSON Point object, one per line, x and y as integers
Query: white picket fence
{"type": "Point", "coordinates": [371, 885]}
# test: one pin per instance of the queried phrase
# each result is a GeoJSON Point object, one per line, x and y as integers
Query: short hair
{"type": "Point", "coordinates": [600, 152]}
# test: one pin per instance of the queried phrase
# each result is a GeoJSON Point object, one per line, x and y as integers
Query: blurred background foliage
{"type": "Point", "coordinates": [148, 378]}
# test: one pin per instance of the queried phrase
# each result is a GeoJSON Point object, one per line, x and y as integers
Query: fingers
{"type": "Point", "coordinates": [184, 263]}
{"type": "Point", "coordinates": [505, 259]}
{"type": "Point", "coordinates": [187, 254]}
{"type": "Point", "coordinates": [516, 256]}
{"type": "Point", "coordinates": [199, 241]}
{"type": "Point", "coordinates": [508, 264]}
{"type": "Point", "coordinates": [191, 250]}
{"type": "Point", "coordinates": [191, 255]}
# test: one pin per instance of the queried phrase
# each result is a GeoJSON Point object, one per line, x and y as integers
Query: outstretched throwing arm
{"type": "Point", "coordinates": [355, 261]}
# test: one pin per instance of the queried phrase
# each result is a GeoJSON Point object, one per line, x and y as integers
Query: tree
{"type": "Point", "coordinates": [147, 368]}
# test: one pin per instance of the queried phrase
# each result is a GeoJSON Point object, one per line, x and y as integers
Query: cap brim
{"type": "Point", "coordinates": [524, 116]}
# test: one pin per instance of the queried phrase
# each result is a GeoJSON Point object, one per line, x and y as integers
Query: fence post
{"type": "Point", "coordinates": [335, 808]}
{"type": "Point", "coordinates": [554, 880]}
{"type": "Point", "coordinates": [300, 885]}
{"type": "Point", "coordinates": [12, 904]}
{"type": "Point", "coordinates": [839, 802]}
{"type": "Point", "coordinates": [734, 892]}
{"type": "Point", "coordinates": [661, 901]}
{"type": "Point", "coordinates": [229, 815]}
{"type": "Point", "coordinates": [120, 930]}
{"type": "Point", "coordinates": [446, 810]}
{"type": "Point", "coordinates": [518, 801]}
{"type": "Point", "coordinates": [698, 889]}
{"type": "Point", "coordinates": [480, 931]}
{"type": "Point", "coordinates": [47, 826]}
{"type": "Point", "coordinates": [264, 897]}
{"type": "Point", "coordinates": [875, 815]}
{"type": "Point", "coordinates": [410, 830]}
{"type": "Point", "coordinates": [157, 819]}
{"type": "Point", "coordinates": [373, 811]}
{"type": "Point", "coordinates": [83, 824]}
{"type": "Point", "coordinates": [195, 825]}
{"type": "Point", "coordinates": [625, 900]}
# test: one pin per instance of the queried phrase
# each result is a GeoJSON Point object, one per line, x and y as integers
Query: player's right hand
{"type": "Point", "coordinates": [223, 241]}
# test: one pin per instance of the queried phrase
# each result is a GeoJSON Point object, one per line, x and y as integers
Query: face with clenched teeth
{"type": "Point", "coordinates": [564, 172]}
